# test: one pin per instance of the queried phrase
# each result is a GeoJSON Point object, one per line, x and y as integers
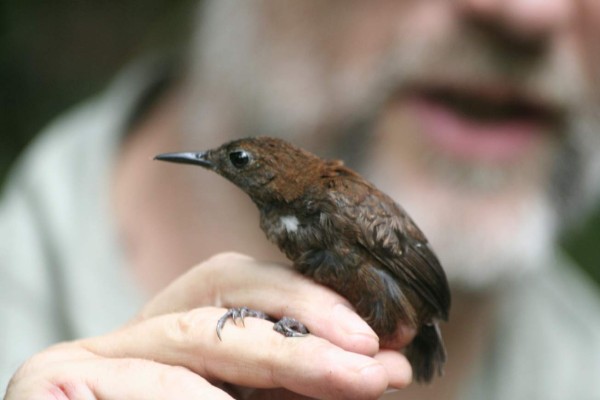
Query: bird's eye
{"type": "Point", "coordinates": [239, 158]}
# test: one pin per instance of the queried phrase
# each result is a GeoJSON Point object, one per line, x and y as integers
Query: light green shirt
{"type": "Point", "coordinates": [546, 342]}
{"type": "Point", "coordinates": [62, 272]}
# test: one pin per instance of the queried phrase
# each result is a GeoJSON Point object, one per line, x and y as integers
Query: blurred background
{"type": "Point", "coordinates": [55, 54]}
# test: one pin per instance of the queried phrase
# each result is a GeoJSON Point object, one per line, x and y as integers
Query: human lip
{"type": "Point", "coordinates": [487, 123]}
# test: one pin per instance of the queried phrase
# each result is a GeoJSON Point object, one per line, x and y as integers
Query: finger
{"type": "Point", "coordinates": [279, 291]}
{"type": "Point", "coordinates": [397, 366]}
{"type": "Point", "coordinates": [275, 394]}
{"type": "Point", "coordinates": [262, 394]}
{"type": "Point", "coordinates": [199, 286]}
{"type": "Point", "coordinates": [251, 355]}
{"type": "Point", "coordinates": [95, 377]}
{"type": "Point", "coordinates": [233, 280]}
{"type": "Point", "coordinates": [150, 380]}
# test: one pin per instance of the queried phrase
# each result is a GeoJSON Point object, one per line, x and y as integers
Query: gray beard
{"type": "Point", "coordinates": [478, 254]}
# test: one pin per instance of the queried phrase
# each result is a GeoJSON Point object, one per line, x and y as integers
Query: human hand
{"type": "Point", "coordinates": [171, 349]}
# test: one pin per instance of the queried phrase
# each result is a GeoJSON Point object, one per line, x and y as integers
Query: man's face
{"type": "Point", "coordinates": [475, 115]}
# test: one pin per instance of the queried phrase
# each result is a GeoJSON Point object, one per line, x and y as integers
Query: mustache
{"type": "Point", "coordinates": [467, 61]}
{"type": "Point", "coordinates": [463, 62]}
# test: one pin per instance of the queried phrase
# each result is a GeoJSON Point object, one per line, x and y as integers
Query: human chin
{"type": "Point", "coordinates": [481, 241]}
{"type": "Point", "coordinates": [487, 210]}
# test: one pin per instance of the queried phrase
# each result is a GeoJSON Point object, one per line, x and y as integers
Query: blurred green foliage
{"type": "Point", "coordinates": [55, 53]}
{"type": "Point", "coordinates": [583, 244]}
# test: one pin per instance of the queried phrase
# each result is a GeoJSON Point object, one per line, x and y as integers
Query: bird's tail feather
{"type": "Point", "coordinates": [426, 353]}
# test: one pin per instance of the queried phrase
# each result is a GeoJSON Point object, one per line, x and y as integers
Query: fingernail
{"type": "Point", "coordinates": [374, 376]}
{"type": "Point", "coordinates": [366, 377]}
{"type": "Point", "coordinates": [397, 366]}
{"type": "Point", "coordinates": [351, 322]}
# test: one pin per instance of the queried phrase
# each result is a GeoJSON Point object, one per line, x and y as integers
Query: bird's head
{"type": "Point", "coordinates": [267, 169]}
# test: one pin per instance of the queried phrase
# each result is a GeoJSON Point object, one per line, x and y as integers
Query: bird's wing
{"type": "Point", "coordinates": [384, 230]}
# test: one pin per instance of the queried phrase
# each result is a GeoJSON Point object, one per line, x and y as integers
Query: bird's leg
{"type": "Point", "coordinates": [290, 327]}
{"type": "Point", "coordinates": [239, 313]}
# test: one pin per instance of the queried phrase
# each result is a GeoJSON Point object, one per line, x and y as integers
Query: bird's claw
{"type": "Point", "coordinates": [236, 314]}
{"type": "Point", "coordinates": [290, 327]}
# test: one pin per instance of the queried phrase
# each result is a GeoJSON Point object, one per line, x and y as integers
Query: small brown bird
{"type": "Point", "coordinates": [341, 231]}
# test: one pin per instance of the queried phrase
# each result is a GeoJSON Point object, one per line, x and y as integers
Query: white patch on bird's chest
{"type": "Point", "coordinates": [289, 223]}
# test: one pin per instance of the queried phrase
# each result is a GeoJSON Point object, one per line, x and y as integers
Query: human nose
{"type": "Point", "coordinates": [524, 21]}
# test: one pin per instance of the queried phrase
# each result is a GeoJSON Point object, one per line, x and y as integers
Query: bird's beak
{"type": "Point", "coordinates": [200, 159]}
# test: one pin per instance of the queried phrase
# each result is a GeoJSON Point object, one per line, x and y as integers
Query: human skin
{"type": "Point", "coordinates": [195, 226]}
{"type": "Point", "coordinates": [170, 350]}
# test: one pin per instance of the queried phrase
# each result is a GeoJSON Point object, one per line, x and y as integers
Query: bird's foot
{"type": "Point", "coordinates": [287, 326]}
{"type": "Point", "coordinates": [236, 314]}
{"type": "Point", "coordinates": [290, 327]}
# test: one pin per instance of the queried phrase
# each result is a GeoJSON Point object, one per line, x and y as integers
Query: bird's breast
{"type": "Point", "coordinates": [281, 226]}
{"type": "Point", "coordinates": [294, 233]}
{"type": "Point", "coordinates": [289, 224]}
